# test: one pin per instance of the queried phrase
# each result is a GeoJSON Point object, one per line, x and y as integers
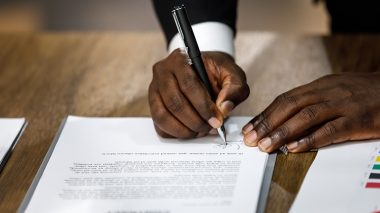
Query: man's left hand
{"type": "Point", "coordinates": [332, 109]}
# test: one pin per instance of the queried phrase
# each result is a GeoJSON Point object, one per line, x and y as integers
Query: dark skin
{"type": "Point", "coordinates": [329, 110]}
{"type": "Point", "coordinates": [179, 103]}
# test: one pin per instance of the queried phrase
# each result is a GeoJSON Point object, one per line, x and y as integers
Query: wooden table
{"type": "Point", "coordinates": [45, 77]}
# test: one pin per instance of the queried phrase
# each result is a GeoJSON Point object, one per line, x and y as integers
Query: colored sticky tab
{"type": "Point", "coordinates": [374, 176]}
{"type": "Point", "coordinates": [372, 185]}
{"type": "Point", "coordinates": [376, 167]}
{"type": "Point", "coordinates": [378, 159]}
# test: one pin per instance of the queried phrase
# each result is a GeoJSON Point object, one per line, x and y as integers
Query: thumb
{"type": "Point", "coordinates": [230, 96]}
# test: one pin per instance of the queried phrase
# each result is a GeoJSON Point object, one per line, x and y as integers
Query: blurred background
{"type": "Point", "coordinates": [286, 16]}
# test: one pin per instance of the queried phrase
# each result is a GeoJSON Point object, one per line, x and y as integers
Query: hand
{"type": "Point", "coordinates": [332, 109]}
{"type": "Point", "coordinates": [179, 103]}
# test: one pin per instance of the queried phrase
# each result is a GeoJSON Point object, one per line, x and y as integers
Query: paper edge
{"type": "Point", "coordinates": [266, 183]}
{"type": "Point", "coordinates": [14, 143]}
{"type": "Point", "coordinates": [29, 194]}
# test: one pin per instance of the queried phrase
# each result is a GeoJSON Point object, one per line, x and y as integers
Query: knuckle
{"type": "Point", "coordinates": [175, 53]}
{"type": "Point", "coordinates": [265, 126]}
{"type": "Point", "coordinates": [175, 104]}
{"type": "Point", "coordinates": [244, 92]}
{"type": "Point", "coordinates": [286, 99]}
{"type": "Point", "coordinates": [309, 113]}
{"type": "Point", "coordinates": [181, 59]}
{"type": "Point", "coordinates": [188, 83]}
{"type": "Point", "coordinates": [281, 133]}
{"type": "Point", "coordinates": [344, 89]}
{"type": "Point", "coordinates": [156, 67]}
{"type": "Point", "coordinates": [329, 129]}
{"type": "Point", "coordinates": [309, 141]}
{"type": "Point", "coordinates": [256, 120]}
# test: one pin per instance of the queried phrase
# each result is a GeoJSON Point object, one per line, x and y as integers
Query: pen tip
{"type": "Point", "coordinates": [222, 133]}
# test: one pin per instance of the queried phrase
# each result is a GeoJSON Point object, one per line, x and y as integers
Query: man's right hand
{"type": "Point", "coordinates": [179, 103]}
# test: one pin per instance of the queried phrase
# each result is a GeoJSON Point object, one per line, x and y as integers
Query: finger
{"type": "Point", "coordinates": [196, 93]}
{"type": "Point", "coordinates": [285, 103]}
{"type": "Point", "coordinates": [180, 107]}
{"type": "Point", "coordinates": [288, 98]}
{"type": "Point", "coordinates": [322, 89]}
{"type": "Point", "coordinates": [290, 102]}
{"type": "Point", "coordinates": [162, 133]}
{"type": "Point", "coordinates": [335, 131]}
{"type": "Point", "coordinates": [230, 96]}
{"type": "Point", "coordinates": [282, 108]}
{"type": "Point", "coordinates": [247, 129]}
{"type": "Point", "coordinates": [164, 120]}
{"type": "Point", "coordinates": [299, 124]}
{"type": "Point", "coordinates": [229, 80]}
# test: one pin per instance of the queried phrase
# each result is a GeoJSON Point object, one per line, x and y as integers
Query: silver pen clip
{"type": "Point", "coordinates": [178, 25]}
{"type": "Point", "coordinates": [181, 34]}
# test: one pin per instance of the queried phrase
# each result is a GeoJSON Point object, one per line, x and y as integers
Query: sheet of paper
{"type": "Point", "coordinates": [9, 129]}
{"type": "Point", "coordinates": [342, 178]}
{"type": "Point", "coordinates": [121, 165]}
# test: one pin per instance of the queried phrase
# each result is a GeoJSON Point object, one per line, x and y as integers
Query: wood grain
{"type": "Point", "coordinates": [45, 77]}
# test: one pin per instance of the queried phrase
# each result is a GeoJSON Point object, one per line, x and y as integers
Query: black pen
{"type": "Point", "coordinates": [184, 29]}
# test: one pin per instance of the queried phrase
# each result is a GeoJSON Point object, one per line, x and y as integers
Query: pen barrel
{"type": "Point", "coordinates": [185, 30]}
{"type": "Point", "coordinates": [187, 33]}
{"type": "Point", "coordinates": [200, 69]}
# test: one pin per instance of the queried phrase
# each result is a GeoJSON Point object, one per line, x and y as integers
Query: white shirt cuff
{"type": "Point", "coordinates": [211, 36]}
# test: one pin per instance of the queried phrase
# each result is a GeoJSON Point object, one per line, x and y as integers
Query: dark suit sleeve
{"type": "Point", "coordinates": [223, 11]}
{"type": "Point", "coordinates": [354, 16]}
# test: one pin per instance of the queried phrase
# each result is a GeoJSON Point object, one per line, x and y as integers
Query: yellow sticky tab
{"type": "Point", "coordinates": [378, 159]}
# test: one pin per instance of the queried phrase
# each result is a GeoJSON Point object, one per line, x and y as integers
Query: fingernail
{"type": "Point", "coordinates": [214, 122]}
{"type": "Point", "coordinates": [250, 138]}
{"type": "Point", "coordinates": [247, 128]}
{"type": "Point", "coordinates": [265, 143]}
{"type": "Point", "coordinates": [226, 107]}
{"type": "Point", "coordinates": [292, 145]}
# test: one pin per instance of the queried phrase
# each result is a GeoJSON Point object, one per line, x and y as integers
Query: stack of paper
{"type": "Point", "coordinates": [121, 165]}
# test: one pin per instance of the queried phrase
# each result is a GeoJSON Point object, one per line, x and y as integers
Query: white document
{"type": "Point", "coordinates": [9, 130]}
{"type": "Point", "coordinates": [342, 178]}
{"type": "Point", "coordinates": [121, 165]}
